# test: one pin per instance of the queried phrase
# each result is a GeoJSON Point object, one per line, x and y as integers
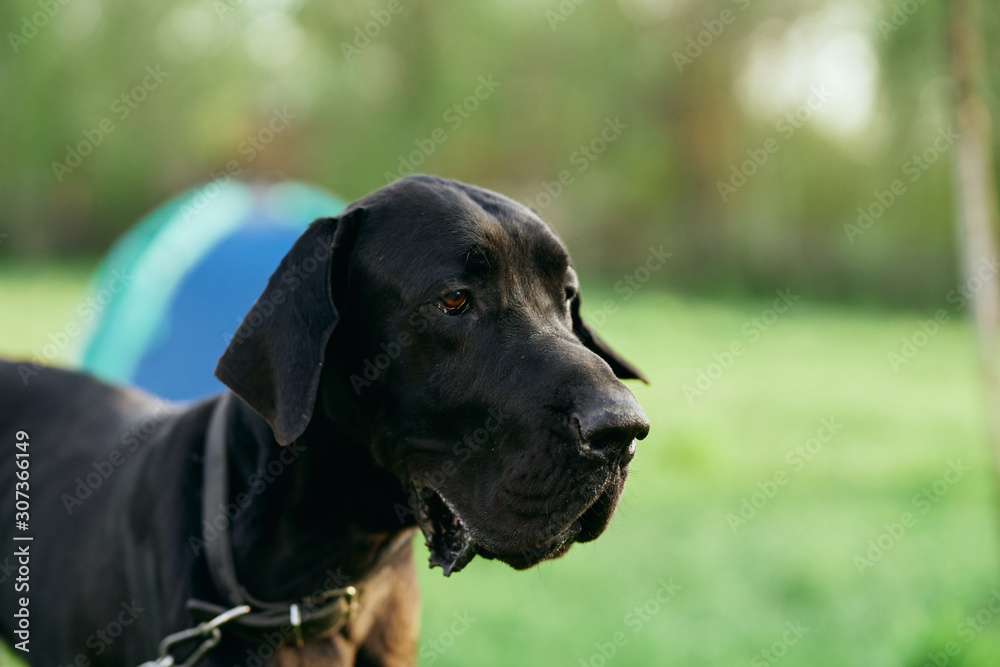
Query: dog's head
{"type": "Point", "coordinates": [444, 319]}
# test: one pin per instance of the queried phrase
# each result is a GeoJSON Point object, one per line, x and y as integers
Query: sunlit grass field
{"type": "Point", "coordinates": [818, 570]}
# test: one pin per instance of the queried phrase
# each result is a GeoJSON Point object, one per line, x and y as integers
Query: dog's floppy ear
{"type": "Point", "coordinates": [274, 360]}
{"type": "Point", "coordinates": [622, 369]}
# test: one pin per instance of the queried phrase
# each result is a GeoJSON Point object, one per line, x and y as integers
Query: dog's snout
{"type": "Point", "coordinates": [610, 424]}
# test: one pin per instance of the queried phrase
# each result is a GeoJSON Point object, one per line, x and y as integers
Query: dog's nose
{"type": "Point", "coordinates": [609, 424]}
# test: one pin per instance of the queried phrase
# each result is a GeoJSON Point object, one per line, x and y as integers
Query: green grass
{"type": "Point", "coordinates": [794, 562]}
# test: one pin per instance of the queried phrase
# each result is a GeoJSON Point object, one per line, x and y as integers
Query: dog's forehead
{"type": "Point", "coordinates": [515, 240]}
{"type": "Point", "coordinates": [435, 231]}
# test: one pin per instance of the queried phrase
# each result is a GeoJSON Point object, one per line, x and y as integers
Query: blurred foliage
{"type": "Point", "coordinates": [368, 83]}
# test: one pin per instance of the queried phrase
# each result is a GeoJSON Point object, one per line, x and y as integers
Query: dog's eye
{"type": "Point", "coordinates": [570, 293]}
{"type": "Point", "coordinates": [454, 303]}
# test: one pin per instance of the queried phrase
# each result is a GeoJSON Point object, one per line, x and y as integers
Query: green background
{"type": "Point", "coordinates": [695, 90]}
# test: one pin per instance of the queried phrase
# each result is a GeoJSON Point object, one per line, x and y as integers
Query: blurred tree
{"type": "Point", "coordinates": [699, 88]}
{"type": "Point", "coordinates": [976, 202]}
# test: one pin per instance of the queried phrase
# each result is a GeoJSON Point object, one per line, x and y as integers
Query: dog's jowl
{"type": "Point", "coordinates": [417, 363]}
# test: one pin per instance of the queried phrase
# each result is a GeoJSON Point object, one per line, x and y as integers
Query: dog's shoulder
{"type": "Point", "coordinates": [28, 382]}
{"type": "Point", "coordinates": [39, 399]}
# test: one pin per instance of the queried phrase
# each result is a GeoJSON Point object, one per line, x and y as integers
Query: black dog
{"type": "Point", "coordinates": [418, 361]}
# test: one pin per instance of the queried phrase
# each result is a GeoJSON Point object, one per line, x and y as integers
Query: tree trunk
{"type": "Point", "coordinates": [976, 202]}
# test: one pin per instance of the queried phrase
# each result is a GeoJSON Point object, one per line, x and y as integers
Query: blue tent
{"type": "Point", "coordinates": [184, 277]}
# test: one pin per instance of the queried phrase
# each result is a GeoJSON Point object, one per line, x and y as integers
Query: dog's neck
{"type": "Point", "coordinates": [321, 513]}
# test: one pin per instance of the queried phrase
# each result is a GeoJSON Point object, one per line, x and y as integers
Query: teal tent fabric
{"type": "Point", "coordinates": [173, 290]}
